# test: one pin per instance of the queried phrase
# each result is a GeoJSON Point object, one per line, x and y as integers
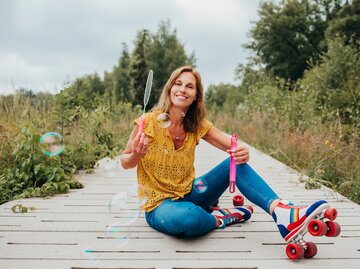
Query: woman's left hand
{"type": "Point", "coordinates": [240, 154]}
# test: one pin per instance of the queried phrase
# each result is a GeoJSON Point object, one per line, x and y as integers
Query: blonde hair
{"type": "Point", "coordinates": [197, 111]}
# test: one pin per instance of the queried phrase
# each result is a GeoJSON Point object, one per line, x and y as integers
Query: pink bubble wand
{"type": "Point", "coordinates": [232, 179]}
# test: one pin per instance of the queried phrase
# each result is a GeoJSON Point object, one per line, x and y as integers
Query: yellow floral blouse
{"type": "Point", "coordinates": [165, 172]}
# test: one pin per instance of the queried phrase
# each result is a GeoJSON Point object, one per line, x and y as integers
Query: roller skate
{"type": "Point", "coordinates": [294, 221]}
{"type": "Point", "coordinates": [229, 216]}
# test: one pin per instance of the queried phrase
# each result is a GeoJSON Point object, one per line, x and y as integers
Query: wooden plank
{"type": "Point", "coordinates": [72, 230]}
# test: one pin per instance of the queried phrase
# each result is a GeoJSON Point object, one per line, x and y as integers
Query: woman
{"type": "Point", "coordinates": [165, 168]}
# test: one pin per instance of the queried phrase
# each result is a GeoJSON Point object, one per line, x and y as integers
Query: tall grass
{"type": "Point", "coordinates": [319, 152]}
{"type": "Point", "coordinates": [89, 135]}
{"type": "Point", "coordinates": [312, 124]}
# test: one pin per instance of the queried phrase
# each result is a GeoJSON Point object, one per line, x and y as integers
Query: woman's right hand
{"type": "Point", "coordinates": [135, 149]}
{"type": "Point", "coordinates": [140, 144]}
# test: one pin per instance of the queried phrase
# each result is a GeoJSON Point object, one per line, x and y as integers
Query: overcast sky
{"type": "Point", "coordinates": [45, 43]}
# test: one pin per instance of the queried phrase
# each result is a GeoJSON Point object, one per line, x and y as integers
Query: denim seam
{"type": "Point", "coordinates": [268, 203]}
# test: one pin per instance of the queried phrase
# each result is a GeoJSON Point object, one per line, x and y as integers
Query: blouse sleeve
{"type": "Point", "coordinates": [204, 128]}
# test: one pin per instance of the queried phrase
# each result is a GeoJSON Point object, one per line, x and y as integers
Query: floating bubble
{"type": "Point", "coordinates": [110, 168]}
{"type": "Point", "coordinates": [52, 144]}
{"type": "Point", "coordinates": [118, 163]}
{"type": "Point", "coordinates": [91, 254]}
{"type": "Point", "coordinates": [138, 192]}
{"type": "Point", "coordinates": [125, 207]}
{"type": "Point", "coordinates": [200, 185]}
{"type": "Point", "coordinates": [116, 232]}
{"type": "Point", "coordinates": [164, 120]}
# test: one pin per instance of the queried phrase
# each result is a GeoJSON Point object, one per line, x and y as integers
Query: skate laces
{"type": "Point", "coordinates": [231, 216]}
{"type": "Point", "coordinates": [230, 220]}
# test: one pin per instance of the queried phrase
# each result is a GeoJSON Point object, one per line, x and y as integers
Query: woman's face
{"type": "Point", "coordinates": [183, 92]}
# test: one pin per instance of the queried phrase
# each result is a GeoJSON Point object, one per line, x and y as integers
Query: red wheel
{"type": "Point", "coordinates": [238, 200]}
{"type": "Point", "coordinates": [250, 208]}
{"type": "Point", "coordinates": [333, 228]}
{"type": "Point", "coordinates": [330, 213]}
{"type": "Point", "coordinates": [311, 250]}
{"type": "Point", "coordinates": [317, 227]}
{"type": "Point", "coordinates": [294, 251]}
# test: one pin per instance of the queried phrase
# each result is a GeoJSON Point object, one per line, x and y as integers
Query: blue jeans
{"type": "Point", "coordinates": [189, 216]}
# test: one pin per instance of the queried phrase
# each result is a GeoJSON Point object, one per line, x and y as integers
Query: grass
{"type": "Point", "coordinates": [320, 152]}
{"type": "Point", "coordinates": [323, 153]}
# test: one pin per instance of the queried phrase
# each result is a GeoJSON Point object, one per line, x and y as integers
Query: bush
{"type": "Point", "coordinates": [311, 125]}
{"type": "Point", "coordinates": [335, 83]}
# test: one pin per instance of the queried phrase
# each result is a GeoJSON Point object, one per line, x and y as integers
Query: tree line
{"type": "Point", "coordinates": [306, 46]}
{"type": "Point", "coordinates": [161, 51]}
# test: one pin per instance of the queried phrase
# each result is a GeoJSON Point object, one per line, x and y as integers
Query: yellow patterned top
{"type": "Point", "coordinates": [165, 172]}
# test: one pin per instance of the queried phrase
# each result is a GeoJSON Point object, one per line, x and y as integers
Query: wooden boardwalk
{"type": "Point", "coordinates": [72, 230]}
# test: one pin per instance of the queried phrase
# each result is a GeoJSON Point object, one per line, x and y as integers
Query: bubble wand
{"type": "Point", "coordinates": [146, 99]}
{"type": "Point", "coordinates": [232, 180]}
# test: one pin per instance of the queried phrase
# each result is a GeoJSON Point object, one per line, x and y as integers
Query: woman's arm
{"type": "Point", "coordinates": [135, 149]}
{"type": "Point", "coordinates": [222, 141]}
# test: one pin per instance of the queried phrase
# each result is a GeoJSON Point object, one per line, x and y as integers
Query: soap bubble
{"type": "Point", "coordinates": [52, 144]}
{"type": "Point", "coordinates": [125, 207]}
{"type": "Point", "coordinates": [91, 254]}
{"type": "Point", "coordinates": [200, 185]}
{"type": "Point", "coordinates": [164, 120]}
{"type": "Point", "coordinates": [116, 232]}
{"type": "Point", "coordinates": [111, 168]}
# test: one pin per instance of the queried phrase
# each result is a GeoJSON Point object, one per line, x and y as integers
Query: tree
{"type": "Point", "coordinates": [118, 81]}
{"type": "Point", "coordinates": [291, 33]}
{"type": "Point", "coordinates": [139, 67]}
{"type": "Point", "coordinates": [336, 82]}
{"type": "Point", "coordinates": [227, 97]}
{"type": "Point", "coordinates": [83, 92]}
{"type": "Point", "coordinates": [346, 23]}
{"type": "Point", "coordinates": [122, 78]}
{"type": "Point", "coordinates": [164, 54]}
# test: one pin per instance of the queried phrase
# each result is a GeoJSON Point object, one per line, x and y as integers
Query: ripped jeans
{"type": "Point", "coordinates": [189, 216]}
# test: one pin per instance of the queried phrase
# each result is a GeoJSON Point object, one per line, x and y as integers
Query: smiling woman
{"type": "Point", "coordinates": [177, 203]}
{"type": "Point", "coordinates": [183, 94]}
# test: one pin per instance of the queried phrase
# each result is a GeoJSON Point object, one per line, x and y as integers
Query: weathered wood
{"type": "Point", "coordinates": [73, 230]}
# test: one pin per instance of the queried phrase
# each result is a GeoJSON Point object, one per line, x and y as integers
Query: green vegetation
{"type": "Point", "coordinates": [298, 99]}
{"type": "Point", "coordinates": [307, 116]}
{"type": "Point", "coordinates": [93, 115]}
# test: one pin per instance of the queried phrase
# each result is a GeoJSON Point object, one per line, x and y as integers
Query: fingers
{"type": "Point", "coordinates": [240, 154]}
{"type": "Point", "coordinates": [140, 144]}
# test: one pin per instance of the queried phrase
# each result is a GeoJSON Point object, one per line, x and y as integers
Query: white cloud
{"type": "Point", "coordinates": [11, 64]}
{"type": "Point", "coordinates": [46, 41]}
{"type": "Point", "coordinates": [213, 13]}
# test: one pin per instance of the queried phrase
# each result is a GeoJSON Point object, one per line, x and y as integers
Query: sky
{"type": "Point", "coordinates": [45, 44]}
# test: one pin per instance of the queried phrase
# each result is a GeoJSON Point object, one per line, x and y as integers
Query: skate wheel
{"type": "Point", "coordinates": [238, 200]}
{"type": "Point", "coordinates": [317, 227]}
{"type": "Point", "coordinates": [330, 213]}
{"type": "Point", "coordinates": [333, 228]}
{"type": "Point", "coordinates": [294, 251]}
{"type": "Point", "coordinates": [250, 208]}
{"type": "Point", "coordinates": [311, 250]}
